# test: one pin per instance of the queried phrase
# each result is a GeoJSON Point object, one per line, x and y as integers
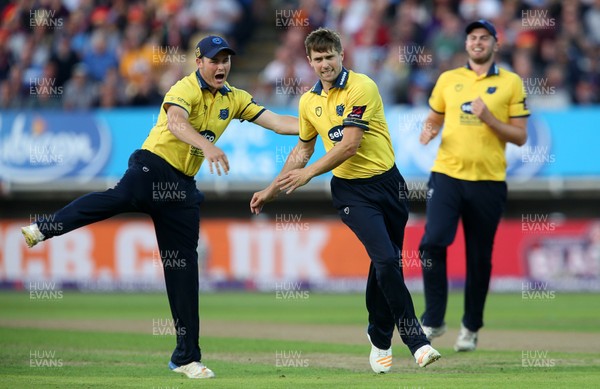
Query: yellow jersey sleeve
{"type": "Point", "coordinates": [436, 101]}
{"type": "Point", "coordinates": [307, 131]}
{"type": "Point", "coordinates": [361, 105]}
{"type": "Point", "coordinates": [518, 103]}
{"type": "Point", "coordinates": [181, 95]}
{"type": "Point", "coordinates": [247, 107]}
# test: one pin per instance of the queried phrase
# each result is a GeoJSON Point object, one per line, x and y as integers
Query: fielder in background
{"type": "Point", "coordinates": [345, 109]}
{"type": "Point", "coordinates": [194, 114]}
{"type": "Point", "coordinates": [481, 107]}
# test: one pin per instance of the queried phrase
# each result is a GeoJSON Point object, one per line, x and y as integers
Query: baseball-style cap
{"type": "Point", "coordinates": [211, 46]}
{"type": "Point", "coordinates": [482, 23]}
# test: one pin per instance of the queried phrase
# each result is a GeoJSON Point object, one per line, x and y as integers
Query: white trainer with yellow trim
{"type": "Point", "coordinates": [434, 332]}
{"type": "Point", "coordinates": [426, 355]}
{"type": "Point", "coordinates": [193, 370]}
{"type": "Point", "coordinates": [32, 235]}
{"type": "Point", "coordinates": [466, 341]}
{"type": "Point", "coordinates": [381, 360]}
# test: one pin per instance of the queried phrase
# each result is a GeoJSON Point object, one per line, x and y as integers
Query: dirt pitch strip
{"type": "Point", "coordinates": [343, 334]}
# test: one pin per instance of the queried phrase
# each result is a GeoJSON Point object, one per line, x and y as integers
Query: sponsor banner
{"type": "Point", "coordinates": [51, 145]}
{"type": "Point", "coordinates": [318, 254]}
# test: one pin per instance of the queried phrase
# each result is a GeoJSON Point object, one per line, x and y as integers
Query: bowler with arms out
{"type": "Point", "coordinates": [345, 109]}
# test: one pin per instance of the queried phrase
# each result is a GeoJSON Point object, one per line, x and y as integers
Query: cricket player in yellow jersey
{"type": "Point", "coordinates": [481, 107]}
{"type": "Point", "coordinates": [345, 109]}
{"type": "Point", "coordinates": [160, 182]}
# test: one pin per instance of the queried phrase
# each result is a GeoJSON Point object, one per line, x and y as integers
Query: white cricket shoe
{"type": "Point", "coordinates": [466, 341]}
{"type": "Point", "coordinates": [381, 360]}
{"type": "Point", "coordinates": [434, 332]}
{"type": "Point", "coordinates": [426, 355]}
{"type": "Point", "coordinates": [32, 235]}
{"type": "Point", "coordinates": [193, 370]}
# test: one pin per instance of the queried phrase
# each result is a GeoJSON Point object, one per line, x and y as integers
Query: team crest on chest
{"type": "Point", "coordinates": [491, 90]}
{"type": "Point", "coordinates": [224, 113]}
{"type": "Point", "coordinates": [458, 87]}
{"type": "Point", "coordinates": [318, 111]}
{"type": "Point", "coordinates": [339, 110]}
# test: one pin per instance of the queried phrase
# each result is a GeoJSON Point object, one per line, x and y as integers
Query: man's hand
{"type": "Point", "coordinates": [431, 127]}
{"type": "Point", "coordinates": [260, 198]}
{"type": "Point", "coordinates": [480, 110]}
{"type": "Point", "coordinates": [427, 134]}
{"type": "Point", "coordinates": [216, 156]}
{"type": "Point", "coordinates": [292, 180]}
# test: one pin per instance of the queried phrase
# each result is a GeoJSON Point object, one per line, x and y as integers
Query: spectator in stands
{"type": "Point", "coordinates": [137, 57]}
{"type": "Point", "coordinates": [216, 16]}
{"type": "Point", "coordinates": [447, 40]}
{"type": "Point", "coordinates": [549, 91]}
{"type": "Point", "coordinates": [146, 93]}
{"type": "Point", "coordinates": [64, 58]}
{"type": "Point", "coordinates": [111, 92]}
{"type": "Point", "coordinates": [288, 76]}
{"type": "Point", "coordinates": [370, 43]}
{"type": "Point", "coordinates": [591, 20]}
{"type": "Point", "coordinates": [44, 93]}
{"type": "Point", "coordinates": [79, 92]}
{"type": "Point", "coordinates": [586, 92]}
{"type": "Point", "coordinates": [98, 58]}
{"type": "Point", "coordinates": [13, 91]}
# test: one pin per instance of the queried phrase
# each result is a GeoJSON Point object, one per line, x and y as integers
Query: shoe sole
{"type": "Point", "coordinates": [428, 358]}
{"type": "Point", "coordinates": [30, 240]}
{"type": "Point", "coordinates": [177, 369]}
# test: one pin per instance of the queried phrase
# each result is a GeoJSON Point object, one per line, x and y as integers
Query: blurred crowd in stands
{"type": "Point", "coordinates": [80, 54]}
{"type": "Point", "coordinates": [405, 45]}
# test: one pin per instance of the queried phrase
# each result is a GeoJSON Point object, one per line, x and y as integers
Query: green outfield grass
{"type": "Point", "coordinates": [93, 359]}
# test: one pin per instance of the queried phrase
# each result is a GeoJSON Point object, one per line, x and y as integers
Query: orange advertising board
{"type": "Point", "coordinates": [261, 251]}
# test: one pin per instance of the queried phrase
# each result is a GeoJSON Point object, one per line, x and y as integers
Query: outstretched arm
{"type": "Point", "coordinates": [178, 124]}
{"type": "Point", "coordinates": [281, 124]}
{"type": "Point", "coordinates": [297, 159]}
{"type": "Point", "coordinates": [342, 150]}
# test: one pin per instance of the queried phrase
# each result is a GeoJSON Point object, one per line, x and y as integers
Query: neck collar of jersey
{"type": "Point", "coordinates": [340, 82]}
{"type": "Point", "coordinates": [203, 85]}
{"type": "Point", "coordinates": [492, 71]}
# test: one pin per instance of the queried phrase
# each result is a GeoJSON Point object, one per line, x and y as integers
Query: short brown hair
{"type": "Point", "coordinates": [322, 40]}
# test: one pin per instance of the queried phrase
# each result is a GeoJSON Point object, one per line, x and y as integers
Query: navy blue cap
{"type": "Point", "coordinates": [211, 46]}
{"type": "Point", "coordinates": [482, 23]}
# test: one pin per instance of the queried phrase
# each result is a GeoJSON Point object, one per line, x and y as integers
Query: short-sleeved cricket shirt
{"type": "Point", "coordinates": [209, 115]}
{"type": "Point", "coordinates": [353, 100]}
{"type": "Point", "coordinates": [469, 149]}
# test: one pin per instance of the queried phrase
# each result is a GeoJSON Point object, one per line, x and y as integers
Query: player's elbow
{"type": "Point", "coordinates": [350, 149]}
{"type": "Point", "coordinates": [521, 140]}
{"type": "Point", "coordinates": [174, 124]}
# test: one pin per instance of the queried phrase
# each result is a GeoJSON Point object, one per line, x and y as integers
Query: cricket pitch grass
{"type": "Point", "coordinates": [300, 340]}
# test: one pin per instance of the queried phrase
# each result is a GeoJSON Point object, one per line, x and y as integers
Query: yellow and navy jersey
{"type": "Point", "coordinates": [209, 115]}
{"type": "Point", "coordinates": [353, 100]}
{"type": "Point", "coordinates": [469, 149]}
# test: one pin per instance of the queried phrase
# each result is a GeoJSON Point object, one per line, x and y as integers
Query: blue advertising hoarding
{"type": "Point", "coordinates": [43, 146]}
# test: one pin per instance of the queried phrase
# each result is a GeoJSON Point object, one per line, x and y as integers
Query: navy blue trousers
{"type": "Point", "coordinates": [480, 205]}
{"type": "Point", "coordinates": [152, 186]}
{"type": "Point", "coordinates": [376, 210]}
